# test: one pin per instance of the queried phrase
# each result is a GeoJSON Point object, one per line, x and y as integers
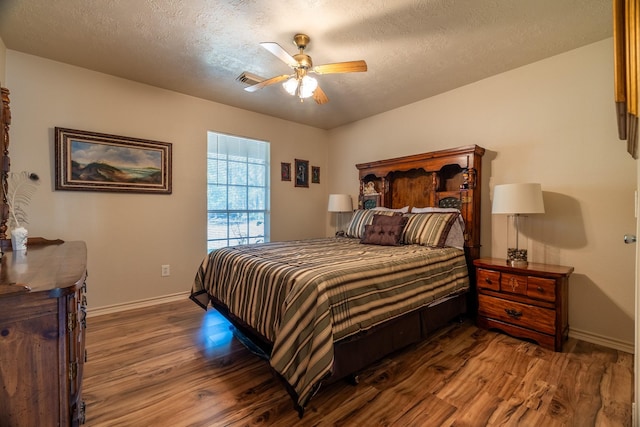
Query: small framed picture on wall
{"type": "Point", "coordinates": [285, 171]}
{"type": "Point", "coordinates": [315, 174]}
{"type": "Point", "coordinates": [302, 173]}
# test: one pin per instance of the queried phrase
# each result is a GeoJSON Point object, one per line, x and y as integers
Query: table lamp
{"type": "Point", "coordinates": [517, 201]}
{"type": "Point", "coordinates": [340, 203]}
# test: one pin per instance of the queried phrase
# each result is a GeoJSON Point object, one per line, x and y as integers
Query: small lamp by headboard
{"type": "Point", "coordinates": [340, 203]}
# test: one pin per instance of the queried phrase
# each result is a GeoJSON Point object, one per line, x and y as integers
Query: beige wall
{"type": "Point", "coordinates": [129, 236]}
{"type": "Point", "coordinates": [3, 62]}
{"type": "Point", "coordinates": [551, 122]}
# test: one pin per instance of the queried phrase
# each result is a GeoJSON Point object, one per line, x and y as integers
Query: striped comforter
{"type": "Point", "coordinates": [304, 295]}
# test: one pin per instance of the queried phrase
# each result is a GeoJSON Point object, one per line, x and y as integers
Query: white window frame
{"type": "Point", "coordinates": [238, 186]}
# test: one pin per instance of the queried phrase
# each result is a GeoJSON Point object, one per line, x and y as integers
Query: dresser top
{"type": "Point", "coordinates": [532, 268]}
{"type": "Point", "coordinates": [43, 268]}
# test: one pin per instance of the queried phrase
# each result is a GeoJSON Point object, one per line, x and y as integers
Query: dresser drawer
{"type": "Point", "coordinates": [524, 315]}
{"type": "Point", "coordinates": [513, 283]}
{"type": "Point", "coordinates": [543, 289]}
{"type": "Point", "coordinates": [488, 279]}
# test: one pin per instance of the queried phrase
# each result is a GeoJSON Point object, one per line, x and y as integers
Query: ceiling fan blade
{"type": "Point", "coordinates": [319, 96]}
{"type": "Point", "coordinates": [272, 80]}
{"type": "Point", "coordinates": [282, 54]}
{"type": "Point", "coordinates": [341, 67]}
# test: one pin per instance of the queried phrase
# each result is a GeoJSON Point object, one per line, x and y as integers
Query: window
{"type": "Point", "coordinates": [237, 191]}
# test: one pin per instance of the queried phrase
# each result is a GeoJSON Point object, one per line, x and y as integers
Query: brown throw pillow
{"type": "Point", "coordinates": [384, 230]}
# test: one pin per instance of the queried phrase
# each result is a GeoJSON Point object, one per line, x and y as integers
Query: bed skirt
{"type": "Point", "coordinates": [356, 352]}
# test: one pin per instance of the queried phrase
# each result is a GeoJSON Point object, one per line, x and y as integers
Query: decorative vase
{"type": "Point", "coordinates": [19, 239]}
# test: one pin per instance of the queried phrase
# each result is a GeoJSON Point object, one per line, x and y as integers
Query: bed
{"type": "Point", "coordinates": [323, 309]}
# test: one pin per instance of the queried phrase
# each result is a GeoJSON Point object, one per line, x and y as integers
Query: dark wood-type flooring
{"type": "Point", "coordinates": [175, 365]}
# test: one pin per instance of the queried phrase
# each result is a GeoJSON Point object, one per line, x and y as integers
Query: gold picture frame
{"type": "Point", "coordinates": [90, 161]}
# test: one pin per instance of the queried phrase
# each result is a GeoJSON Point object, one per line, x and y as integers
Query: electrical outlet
{"type": "Point", "coordinates": [166, 270]}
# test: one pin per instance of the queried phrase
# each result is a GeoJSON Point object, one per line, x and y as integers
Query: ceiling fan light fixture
{"type": "Point", "coordinates": [308, 85]}
{"type": "Point", "coordinates": [301, 87]}
{"type": "Point", "coordinates": [291, 85]}
{"type": "Point", "coordinates": [300, 84]}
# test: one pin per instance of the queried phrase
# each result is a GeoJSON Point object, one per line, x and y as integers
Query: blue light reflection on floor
{"type": "Point", "coordinates": [215, 334]}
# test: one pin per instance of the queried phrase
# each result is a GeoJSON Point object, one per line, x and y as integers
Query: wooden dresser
{"type": "Point", "coordinates": [527, 302]}
{"type": "Point", "coordinates": [42, 335]}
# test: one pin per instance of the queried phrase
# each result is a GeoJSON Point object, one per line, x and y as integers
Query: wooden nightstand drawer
{"type": "Point", "coordinates": [531, 302]}
{"type": "Point", "coordinates": [544, 289]}
{"type": "Point", "coordinates": [516, 284]}
{"type": "Point", "coordinates": [488, 279]}
{"type": "Point", "coordinates": [523, 315]}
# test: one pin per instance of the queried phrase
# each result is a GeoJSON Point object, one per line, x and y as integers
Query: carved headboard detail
{"type": "Point", "coordinates": [446, 178]}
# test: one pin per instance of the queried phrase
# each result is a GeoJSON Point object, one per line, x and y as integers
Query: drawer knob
{"type": "Point", "coordinates": [540, 289]}
{"type": "Point", "coordinates": [513, 313]}
{"type": "Point", "coordinates": [486, 279]}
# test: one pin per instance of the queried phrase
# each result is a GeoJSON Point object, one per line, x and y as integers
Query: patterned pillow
{"type": "Point", "coordinates": [428, 229]}
{"type": "Point", "coordinates": [360, 219]}
{"type": "Point", "coordinates": [384, 230]}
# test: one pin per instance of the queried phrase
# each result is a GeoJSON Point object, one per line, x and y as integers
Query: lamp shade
{"type": "Point", "coordinates": [340, 203]}
{"type": "Point", "coordinates": [291, 85]}
{"type": "Point", "coordinates": [517, 199]}
{"type": "Point", "coordinates": [303, 87]}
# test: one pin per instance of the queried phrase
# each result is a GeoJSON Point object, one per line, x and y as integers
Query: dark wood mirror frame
{"type": "Point", "coordinates": [5, 164]}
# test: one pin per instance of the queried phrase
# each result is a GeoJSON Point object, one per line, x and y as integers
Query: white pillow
{"type": "Point", "coordinates": [382, 208]}
{"type": "Point", "coordinates": [455, 238]}
{"type": "Point", "coordinates": [433, 209]}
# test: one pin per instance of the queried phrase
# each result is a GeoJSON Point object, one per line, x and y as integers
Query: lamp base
{"type": "Point", "coordinates": [517, 257]}
{"type": "Point", "coordinates": [519, 263]}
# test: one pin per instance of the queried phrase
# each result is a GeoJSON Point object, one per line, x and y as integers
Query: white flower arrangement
{"type": "Point", "coordinates": [21, 187]}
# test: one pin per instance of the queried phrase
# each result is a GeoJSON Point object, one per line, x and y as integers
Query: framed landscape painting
{"type": "Point", "coordinates": [92, 161]}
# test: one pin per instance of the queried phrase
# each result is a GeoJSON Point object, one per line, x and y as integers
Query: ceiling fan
{"type": "Point", "coordinates": [300, 83]}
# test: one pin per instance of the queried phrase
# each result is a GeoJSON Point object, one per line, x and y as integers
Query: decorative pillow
{"type": "Point", "coordinates": [455, 236]}
{"type": "Point", "coordinates": [360, 218]}
{"type": "Point", "coordinates": [384, 230]}
{"type": "Point", "coordinates": [382, 208]}
{"type": "Point", "coordinates": [428, 229]}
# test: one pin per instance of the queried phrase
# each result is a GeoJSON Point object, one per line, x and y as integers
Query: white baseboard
{"type": "Point", "coordinates": [91, 312]}
{"type": "Point", "coordinates": [627, 347]}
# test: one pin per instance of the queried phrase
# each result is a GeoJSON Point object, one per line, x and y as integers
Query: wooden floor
{"type": "Point", "coordinates": [175, 365]}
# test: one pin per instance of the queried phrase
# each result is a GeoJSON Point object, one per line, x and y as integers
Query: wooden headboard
{"type": "Point", "coordinates": [446, 178]}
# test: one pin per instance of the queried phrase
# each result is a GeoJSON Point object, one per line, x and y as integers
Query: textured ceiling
{"type": "Point", "coordinates": [414, 48]}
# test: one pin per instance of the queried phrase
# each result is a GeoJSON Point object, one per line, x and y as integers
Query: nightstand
{"type": "Point", "coordinates": [527, 302]}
